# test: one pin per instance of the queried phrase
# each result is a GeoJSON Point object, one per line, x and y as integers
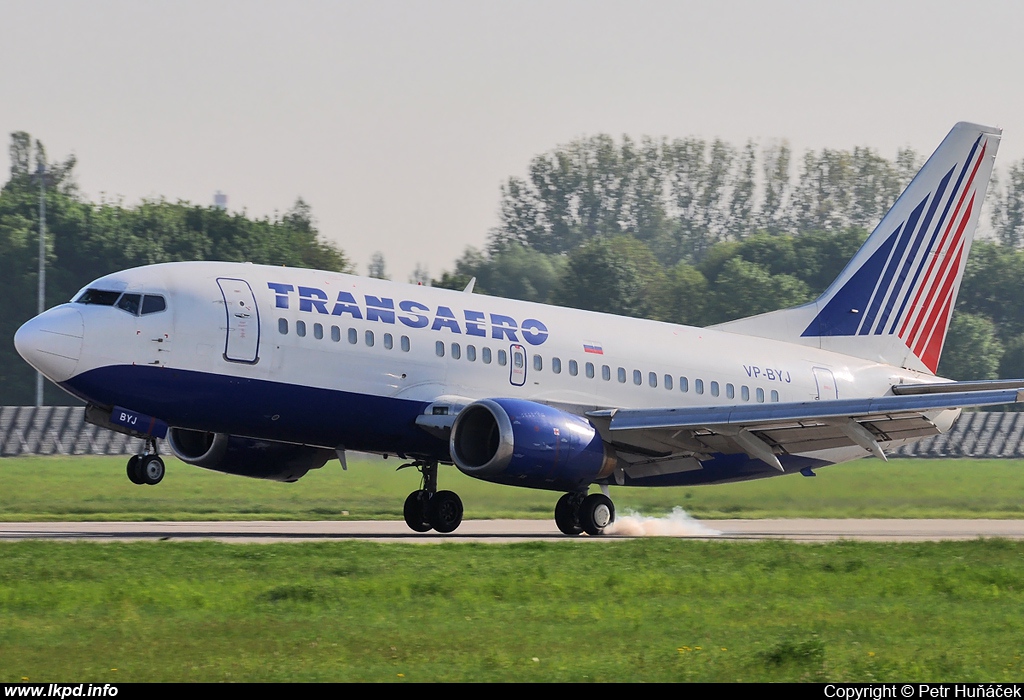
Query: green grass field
{"type": "Point", "coordinates": [96, 488]}
{"type": "Point", "coordinates": [644, 610]}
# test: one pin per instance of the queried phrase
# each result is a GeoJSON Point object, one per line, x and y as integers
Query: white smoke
{"type": "Point", "coordinates": [677, 524]}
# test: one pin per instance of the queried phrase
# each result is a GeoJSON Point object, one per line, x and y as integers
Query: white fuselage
{"type": "Point", "coordinates": [307, 346]}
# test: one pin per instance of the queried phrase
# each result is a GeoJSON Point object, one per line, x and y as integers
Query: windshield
{"type": "Point", "coordinates": [129, 302]}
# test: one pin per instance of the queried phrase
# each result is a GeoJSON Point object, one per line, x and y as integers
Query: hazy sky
{"type": "Point", "coordinates": [398, 121]}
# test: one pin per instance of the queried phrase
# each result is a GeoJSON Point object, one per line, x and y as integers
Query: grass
{"type": "Point", "coordinates": [96, 488]}
{"type": "Point", "coordinates": [646, 610]}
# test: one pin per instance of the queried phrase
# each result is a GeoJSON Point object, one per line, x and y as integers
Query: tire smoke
{"type": "Point", "coordinates": [676, 524]}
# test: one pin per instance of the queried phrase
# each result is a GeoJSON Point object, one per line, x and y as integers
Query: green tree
{"type": "Point", "coordinates": [972, 349]}
{"type": "Point", "coordinates": [614, 275]}
{"type": "Point", "coordinates": [87, 240]}
{"type": "Point", "coordinates": [745, 288]}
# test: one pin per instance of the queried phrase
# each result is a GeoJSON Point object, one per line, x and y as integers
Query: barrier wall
{"type": "Point", "coordinates": [62, 430]}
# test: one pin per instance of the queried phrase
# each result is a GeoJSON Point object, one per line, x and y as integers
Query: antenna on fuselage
{"type": "Point", "coordinates": [469, 287]}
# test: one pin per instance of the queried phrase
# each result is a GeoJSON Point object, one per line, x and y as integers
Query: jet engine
{"type": "Point", "coordinates": [260, 459]}
{"type": "Point", "coordinates": [524, 443]}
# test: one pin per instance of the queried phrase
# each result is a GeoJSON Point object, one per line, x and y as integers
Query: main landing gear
{"type": "Point", "coordinates": [146, 468]}
{"type": "Point", "coordinates": [430, 509]}
{"type": "Point", "coordinates": [577, 512]}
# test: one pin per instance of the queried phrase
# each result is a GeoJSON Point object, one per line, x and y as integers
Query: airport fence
{"type": "Point", "coordinates": [62, 430]}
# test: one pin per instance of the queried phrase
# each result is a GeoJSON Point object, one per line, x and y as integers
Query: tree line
{"type": "Point", "coordinates": [686, 231]}
{"type": "Point", "coordinates": [700, 232]}
{"type": "Point", "coordinates": [86, 240]}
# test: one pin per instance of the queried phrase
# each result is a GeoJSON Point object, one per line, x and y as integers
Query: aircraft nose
{"type": "Point", "coordinates": [52, 342]}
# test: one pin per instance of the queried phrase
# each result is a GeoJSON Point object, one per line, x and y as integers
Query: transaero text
{"type": "Point", "coordinates": [410, 313]}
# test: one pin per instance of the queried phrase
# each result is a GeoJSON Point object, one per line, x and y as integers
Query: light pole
{"type": "Point", "coordinates": [41, 172]}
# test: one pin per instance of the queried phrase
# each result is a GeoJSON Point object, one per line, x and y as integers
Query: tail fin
{"type": "Point", "coordinates": [893, 301]}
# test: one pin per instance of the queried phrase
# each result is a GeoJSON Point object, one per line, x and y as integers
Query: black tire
{"type": "Point", "coordinates": [444, 511]}
{"type": "Point", "coordinates": [134, 473]}
{"type": "Point", "coordinates": [596, 513]}
{"type": "Point", "coordinates": [151, 470]}
{"type": "Point", "coordinates": [567, 514]}
{"type": "Point", "coordinates": [415, 512]}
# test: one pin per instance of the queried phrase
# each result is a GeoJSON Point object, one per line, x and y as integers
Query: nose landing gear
{"type": "Point", "coordinates": [146, 468]}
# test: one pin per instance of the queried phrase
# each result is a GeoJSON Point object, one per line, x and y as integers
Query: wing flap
{"type": "Point", "coordinates": [670, 436]}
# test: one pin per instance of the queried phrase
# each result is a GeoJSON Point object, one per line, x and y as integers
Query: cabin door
{"type": "Point", "coordinates": [242, 330]}
{"type": "Point", "coordinates": [826, 382]}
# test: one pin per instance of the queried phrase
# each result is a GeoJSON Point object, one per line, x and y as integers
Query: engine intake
{"type": "Point", "coordinates": [524, 443]}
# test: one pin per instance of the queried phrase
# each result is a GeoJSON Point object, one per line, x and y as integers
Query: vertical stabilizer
{"type": "Point", "coordinates": [893, 301]}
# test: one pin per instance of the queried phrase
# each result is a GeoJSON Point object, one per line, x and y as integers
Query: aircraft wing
{"type": "Point", "coordinates": [669, 439]}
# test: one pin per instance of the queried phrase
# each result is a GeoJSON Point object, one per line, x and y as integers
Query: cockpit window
{"type": "Point", "coordinates": [152, 303]}
{"type": "Point", "coordinates": [100, 297]}
{"type": "Point", "coordinates": [130, 303]}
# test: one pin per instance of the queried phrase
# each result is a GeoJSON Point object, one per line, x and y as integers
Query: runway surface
{"type": "Point", "coordinates": [498, 531]}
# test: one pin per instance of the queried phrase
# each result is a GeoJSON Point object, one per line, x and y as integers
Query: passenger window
{"type": "Point", "coordinates": [130, 303]}
{"type": "Point", "coordinates": [606, 373]}
{"type": "Point", "coordinates": [698, 386]}
{"type": "Point", "coordinates": [590, 370]}
{"type": "Point", "coordinates": [282, 326]}
{"type": "Point", "coordinates": [652, 379]}
{"type": "Point", "coordinates": [622, 375]}
{"type": "Point", "coordinates": [471, 353]}
{"type": "Point", "coordinates": [456, 351]}
{"type": "Point", "coordinates": [353, 336]}
{"type": "Point", "coordinates": [318, 331]}
{"type": "Point", "coordinates": [518, 360]}
{"type": "Point", "coordinates": [730, 391]}
{"type": "Point", "coordinates": [405, 343]}
{"type": "Point", "coordinates": [574, 368]}
{"type": "Point", "coordinates": [389, 341]}
{"type": "Point", "coordinates": [335, 334]}
{"type": "Point", "coordinates": [775, 396]}
{"type": "Point", "coordinates": [668, 381]}
{"type": "Point", "coordinates": [538, 362]}
{"type": "Point", "coordinates": [556, 365]}
{"type": "Point", "coordinates": [300, 329]}
{"type": "Point", "coordinates": [638, 377]}
{"type": "Point", "coordinates": [714, 388]}
{"type": "Point", "coordinates": [369, 339]}
{"type": "Point", "coordinates": [745, 393]}
{"type": "Point", "coordinates": [439, 348]}
{"type": "Point", "coordinates": [502, 358]}
{"type": "Point", "coordinates": [485, 355]}
{"type": "Point", "coordinates": [684, 384]}
{"type": "Point", "coordinates": [152, 304]}
{"type": "Point", "coordinates": [759, 394]}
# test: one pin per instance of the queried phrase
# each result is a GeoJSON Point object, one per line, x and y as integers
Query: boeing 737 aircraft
{"type": "Point", "coordinates": [269, 372]}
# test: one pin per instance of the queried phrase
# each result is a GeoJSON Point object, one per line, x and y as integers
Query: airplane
{"type": "Point", "coordinates": [269, 372]}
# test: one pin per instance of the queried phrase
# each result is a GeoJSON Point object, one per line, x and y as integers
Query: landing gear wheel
{"type": "Point", "coordinates": [444, 511]}
{"type": "Point", "coordinates": [415, 511]}
{"type": "Point", "coordinates": [151, 469]}
{"type": "Point", "coordinates": [134, 474]}
{"type": "Point", "coordinates": [596, 513]}
{"type": "Point", "coordinates": [567, 513]}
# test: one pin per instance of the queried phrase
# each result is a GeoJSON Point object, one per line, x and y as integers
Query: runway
{"type": "Point", "coordinates": [505, 531]}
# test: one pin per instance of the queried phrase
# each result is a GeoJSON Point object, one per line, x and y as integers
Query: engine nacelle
{"type": "Point", "coordinates": [524, 443]}
{"type": "Point", "coordinates": [260, 459]}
